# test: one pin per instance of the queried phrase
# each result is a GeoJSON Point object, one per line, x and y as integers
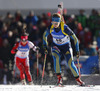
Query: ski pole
{"type": "Point", "coordinates": [99, 59]}
{"type": "Point", "coordinates": [37, 63]}
{"type": "Point", "coordinates": [60, 10]}
{"type": "Point", "coordinates": [79, 67]}
{"type": "Point", "coordinates": [43, 69]}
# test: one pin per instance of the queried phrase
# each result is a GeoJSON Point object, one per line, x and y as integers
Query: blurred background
{"type": "Point", "coordinates": [82, 16]}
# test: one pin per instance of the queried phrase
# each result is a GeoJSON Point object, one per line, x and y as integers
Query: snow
{"type": "Point", "coordinates": [47, 88]}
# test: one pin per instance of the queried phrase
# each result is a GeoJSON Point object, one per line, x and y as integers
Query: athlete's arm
{"type": "Point", "coordinates": [14, 49]}
{"type": "Point", "coordinates": [45, 35]}
{"type": "Point", "coordinates": [31, 45]}
{"type": "Point", "coordinates": [72, 36]}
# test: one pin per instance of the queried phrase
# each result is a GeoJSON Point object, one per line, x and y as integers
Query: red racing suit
{"type": "Point", "coordinates": [21, 58]}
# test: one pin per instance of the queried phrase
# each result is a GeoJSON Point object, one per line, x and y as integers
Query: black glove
{"type": "Point", "coordinates": [98, 52]}
{"type": "Point", "coordinates": [45, 50]}
{"type": "Point", "coordinates": [77, 54]}
{"type": "Point", "coordinates": [16, 50]}
{"type": "Point", "coordinates": [37, 48]}
{"type": "Point", "coordinates": [49, 40]}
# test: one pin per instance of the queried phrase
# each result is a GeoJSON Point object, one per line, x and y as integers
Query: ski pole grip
{"type": "Point", "coordinates": [59, 6]}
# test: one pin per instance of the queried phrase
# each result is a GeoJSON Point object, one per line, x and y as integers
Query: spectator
{"type": "Point", "coordinates": [4, 32]}
{"type": "Point", "coordinates": [8, 18]}
{"type": "Point", "coordinates": [1, 72]}
{"type": "Point", "coordinates": [80, 33]}
{"type": "Point", "coordinates": [71, 22]}
{"type": "Point", "coordinates": [5, 52]}
{"type": "Point", "coordinates": [44, 19]}
{"type": "Point", "coordinates": [35, 32]}
{"type": "Point", "coordinates": [87, 36]}
{"type": "Point", "coordinates": [1, 23]}
{"type": "Point", "coordinates": [66, 17]}
{"type": "Point", "coordinates": [90, 50]}
{"type": "Point", "coordinates": [81, 18]}
{"type": "Point", "coordinates": [98, 40]}
{"type": "Point", "coordinates": [19, 17]}
{"type": "Point", "coordinates": [1, 40]}
{"type": "Point", "coordinates": [7, 76]}
{"type": "Point", "coordinates": [31, 18]}
{"type": "Point", "coordinates": [48, 18]}
{"type": "Point", "coordinates": [13, 24]}
{"type": "Point", "coordinates": [92, 21]}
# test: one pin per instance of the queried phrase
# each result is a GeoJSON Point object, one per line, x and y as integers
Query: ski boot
{"type": "Point", "coordinates": [31, 83]}
{"type": "Point", "coordinates": [23, 82]}
{"type": "Point", "coordinates": [60, 81]}
{"type": "Point", "coordinates": [79, 82]}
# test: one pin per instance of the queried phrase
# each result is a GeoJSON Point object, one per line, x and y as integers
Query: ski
{"type": "Point", "coordinates": [72, 85]}
{"type": "Point", "coordinates": [56, 86]}
{"type": "Point", "coordinates": [86, 86]}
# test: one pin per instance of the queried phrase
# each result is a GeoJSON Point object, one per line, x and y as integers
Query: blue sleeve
{"type": "Point", "coordinates": [75, 42]}
{"type": "Point", "coordinates": [72, 35]}
{"type": "Point", "coordinates": [45, 35]}
{"type": "Point", "coordinates": [35, 19]}
{"type": "Point", "coordinates": [68, 31]}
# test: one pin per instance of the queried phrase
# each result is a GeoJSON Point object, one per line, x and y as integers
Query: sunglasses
{"type": "Point", "coordinates": [23, 40]}
{"type": "Point", "coordinates": [55, 23]}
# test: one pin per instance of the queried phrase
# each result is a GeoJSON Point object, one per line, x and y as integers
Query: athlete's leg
{"type": "Point", "coordinates": [69, 58]}
{"type": "Point", "coordinates": [56, 58]}
{"type": "Point", "coordinates": [20, 67]}
{"type": "Point", "coordinates": [27, 69]}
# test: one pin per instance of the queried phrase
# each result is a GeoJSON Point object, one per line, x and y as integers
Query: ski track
{"type": "Point", "coordinates": [47, 88]}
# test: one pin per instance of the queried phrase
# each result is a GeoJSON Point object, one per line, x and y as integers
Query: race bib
{"type": "Point", "coordinates": [23, 54]}
{"type": "Point", "coordinates": [64, 40]}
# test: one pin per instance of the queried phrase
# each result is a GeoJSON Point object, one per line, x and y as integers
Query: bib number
{"type": "Point", "coordinates": [59, 41]}
{"type": "Point", "coordinates": [62, 40]}
{"type": "Point", "coordinates": [22, 54]}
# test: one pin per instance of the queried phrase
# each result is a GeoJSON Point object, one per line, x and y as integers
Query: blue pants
{"type": "Point", "coordinates": [66, 50]}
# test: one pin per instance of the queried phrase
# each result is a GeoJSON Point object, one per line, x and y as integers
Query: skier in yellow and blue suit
{"type": "Point", "coordinates": [59, 34]}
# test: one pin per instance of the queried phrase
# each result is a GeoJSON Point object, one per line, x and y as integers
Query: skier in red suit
{"type": "Point", "coordinates": [21, 51]}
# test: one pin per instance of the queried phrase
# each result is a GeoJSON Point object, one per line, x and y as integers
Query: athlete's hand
{"type": "Point", "coordinates": [98, 52]}
{"type": "Point", "coordinates": [37, 48]}
{"type": "Point", "coordinates": [46, 51]}
{"type": "Point", "coordinates": [13, 51]}
{"type": "Point", "coordinates": [77, 54]}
